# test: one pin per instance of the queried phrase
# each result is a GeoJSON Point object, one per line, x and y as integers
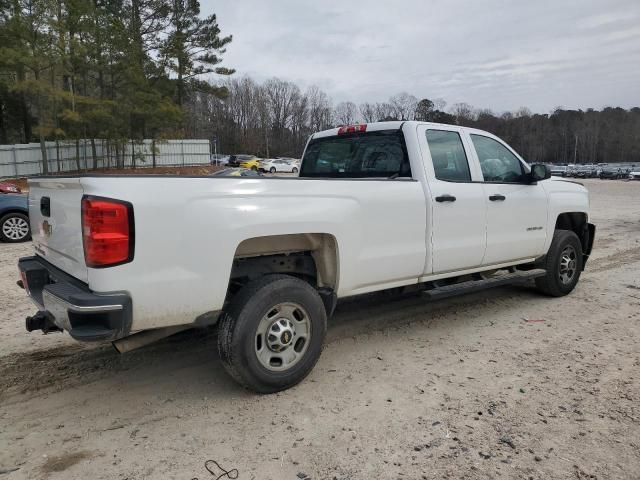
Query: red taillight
{"type": "Point", "coordinates": [352, 129]}
{"type": "Point", "coordinates": [107, 232]}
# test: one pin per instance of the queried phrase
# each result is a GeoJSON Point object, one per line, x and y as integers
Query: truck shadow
{"type": "Point", "coordinates": [189, 360]}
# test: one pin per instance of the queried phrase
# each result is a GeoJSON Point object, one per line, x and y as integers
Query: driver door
{"type": "Point", "coordinates": [516, 209]}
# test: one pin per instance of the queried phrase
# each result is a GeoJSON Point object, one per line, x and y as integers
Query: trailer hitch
{"type": "Point", "coordinates": [41, 321]}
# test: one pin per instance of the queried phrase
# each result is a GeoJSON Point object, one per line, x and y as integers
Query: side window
{"type": "Point", "coordinates": [449, 158]}
{"type": "Point", "coordinates": [497, 162]}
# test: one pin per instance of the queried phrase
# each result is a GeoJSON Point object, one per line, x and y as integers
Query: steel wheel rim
{"type": "Point", "coordinates": [568, 264]}
{"type": "Point", "coordinates": [282, 337]}
{"type": "Point", "coordinates": [15, 228]}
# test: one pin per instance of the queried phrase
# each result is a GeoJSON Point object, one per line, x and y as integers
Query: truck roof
{"type": "Point", "coordinates": [397, 124]}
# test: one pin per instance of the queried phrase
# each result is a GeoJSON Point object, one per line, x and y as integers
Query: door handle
{"type": "Point", "coordinates": [495, 198]}
{"type": "Point", "coordinates": [445, 198]}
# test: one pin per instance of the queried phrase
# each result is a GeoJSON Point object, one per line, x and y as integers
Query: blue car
{"type": "Point", "coordinates": [14, 218]}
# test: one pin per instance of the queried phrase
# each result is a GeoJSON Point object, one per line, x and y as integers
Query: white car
{"type": "Point", "coordinates": [376, 206]}
{"type": "Point", "coordinates": [275, 165]}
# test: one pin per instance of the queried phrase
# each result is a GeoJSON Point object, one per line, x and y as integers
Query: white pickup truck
{"type": "Point", "coordinates": [447, 209]}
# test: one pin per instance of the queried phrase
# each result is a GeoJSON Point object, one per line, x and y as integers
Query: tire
{"type": "Point", "coordinates": [246, 336]}
{"type": "Point", "coordinates": [272, 169]}
{"type": "Point", "coordinates": [294, 170]}
{"type": "Point", "coordinates": [563, 264]}
{"type": "Point", "coordinates": [254, 168]}
{"type": "Point", "coordinates": [14, 227]}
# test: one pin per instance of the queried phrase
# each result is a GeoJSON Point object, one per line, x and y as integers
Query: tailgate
{"type": "Point", "coordinates": [56, 223]}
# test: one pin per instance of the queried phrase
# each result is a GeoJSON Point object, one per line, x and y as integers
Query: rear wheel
{"type": "Point", "coordinates": [271, 335]}
{"type": "Point", "coordinates": [14, 227]}
{"type": "Point", "coordinates": [272, 169]}
{"type": "Point", "coordinates": [563, 264]}
{"type": "Point", "coordinates": [294, 170]}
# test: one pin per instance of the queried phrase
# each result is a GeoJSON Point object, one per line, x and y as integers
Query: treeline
{"type": "Point", "coordinates": [124, 70]}
{"type": "Point", "coordinates": [112, 69]}
{"type": "Point", "coordinates": [276, 118]}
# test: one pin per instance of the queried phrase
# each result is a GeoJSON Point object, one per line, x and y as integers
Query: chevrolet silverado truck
{"type": "Point", "coordinates": [389, 205]}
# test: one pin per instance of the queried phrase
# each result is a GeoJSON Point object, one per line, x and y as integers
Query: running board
{"type": "Point", "coordinates": [478, 285]}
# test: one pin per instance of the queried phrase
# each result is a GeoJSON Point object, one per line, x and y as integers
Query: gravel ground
{"type": "Point", "coordinates": [500, 384]}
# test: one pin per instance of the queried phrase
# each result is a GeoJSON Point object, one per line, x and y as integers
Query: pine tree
{"type": "Point", "coordinates": [193, 48]}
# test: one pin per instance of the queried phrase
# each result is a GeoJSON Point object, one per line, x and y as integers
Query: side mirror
{"type": "Point", "coordinates": [539, 172]}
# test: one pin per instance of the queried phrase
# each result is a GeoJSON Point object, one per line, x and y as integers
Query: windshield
{"type": "Point", "coordinates": [361, 155]}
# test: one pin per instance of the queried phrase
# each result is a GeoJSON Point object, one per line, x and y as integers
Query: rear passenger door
{"type": "Point", "coordinates": [458, 210]}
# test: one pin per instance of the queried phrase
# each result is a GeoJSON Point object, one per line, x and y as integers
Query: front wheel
{"type": "Point", "coordinates": [14, 227]}
{"type": "Point", "coordinates": [272, 169]}
{"type": "Point", "coordinates": [294, 170]}
{"type": "Point", "coordinates": [271, 335]}
{"type": "Point", "coordinates": [563, 264]}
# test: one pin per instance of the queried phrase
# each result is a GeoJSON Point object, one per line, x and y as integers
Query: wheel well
{"type": "Point", "coordinates": [310, 256]}
{"type": "Point", "coordinates": [576, 222]}
{"type": "Point", "coordinates": [10, 211]}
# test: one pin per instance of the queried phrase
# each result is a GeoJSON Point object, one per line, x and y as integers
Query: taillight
{"type": "Point", "coordinates": [107, 231]}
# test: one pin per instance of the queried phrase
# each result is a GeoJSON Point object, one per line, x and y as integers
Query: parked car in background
{"type": "Point", "coordinates": [6, 187]}
{"type": "Point", "coordinates": [634, 174]}
{"type": "Point", "coordinates": [558, 170]}
{"type": "Point", "coordinates": [273, 165]}
{"type": "Point", "coordinates": [14, 218]}
{"type": "Point", "coordinates": [244, 161]}
{"type": "Point", "coordinates": [237, 172]}
{"type": "Point", "coordinates": [219, 159]}
{"type": "Point", "coordinates": [613, 173]}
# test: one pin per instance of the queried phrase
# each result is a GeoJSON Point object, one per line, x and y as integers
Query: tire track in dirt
{"type": "Point", "coordinates": [614, 260]}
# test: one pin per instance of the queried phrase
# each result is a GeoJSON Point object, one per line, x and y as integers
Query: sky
{"type": "Point", "coordinates": [493, 54]}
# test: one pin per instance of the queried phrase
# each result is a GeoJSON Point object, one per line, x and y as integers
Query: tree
{"type": "Point", "coordinates": [368, 112]}
{"type": "Point", "coordinates": [345, 113]}
{"type": "Point", "coordinates": [29, 54]}
{"type": "Point", "coordinates": [193, 47]}
{"type": "Point", "coordinates": [425, 110]}
{"type": "Point", "coordinates": [404, 106]}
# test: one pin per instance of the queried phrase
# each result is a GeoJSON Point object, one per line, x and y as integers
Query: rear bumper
{"type": "Point", "coordinates": [86, 315]}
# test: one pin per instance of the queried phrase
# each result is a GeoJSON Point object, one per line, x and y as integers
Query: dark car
{"type": "Point", "coordinates": [237, 160]}
{"type": "Point", "coordinates": [613, 174]}
{"type": "Point", "coordinates": [14, 218]}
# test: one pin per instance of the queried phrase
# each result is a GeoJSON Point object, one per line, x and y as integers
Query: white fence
{"type": "Point", "coordinates": [25, 160]}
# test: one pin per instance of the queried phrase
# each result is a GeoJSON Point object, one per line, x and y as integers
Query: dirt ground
{"type": "Point", "coordinates": [500, 384]}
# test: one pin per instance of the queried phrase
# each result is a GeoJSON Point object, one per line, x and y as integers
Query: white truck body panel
{"type": "Point", "coordinates": [63, 248]}
{"type": "Point", "coordinates": [388, 231]}
{"type": "Point", "coordinates": [190, 236]}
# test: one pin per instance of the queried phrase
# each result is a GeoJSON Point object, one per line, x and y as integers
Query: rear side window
{"type": "Point", "coordinates": [449, 158]}
{"type": "Point", "coordinates": [497, 162]}
{"type": "Point", "coordinates": [362, 155]}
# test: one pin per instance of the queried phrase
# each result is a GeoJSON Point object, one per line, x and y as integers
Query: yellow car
{"type": "Point", "coordinates": [244, 161]}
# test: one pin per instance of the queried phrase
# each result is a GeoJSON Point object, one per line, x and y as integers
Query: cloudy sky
{"type": "Point", "coordinates": [489, 53]}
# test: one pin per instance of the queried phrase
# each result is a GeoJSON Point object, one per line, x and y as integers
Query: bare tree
{"type": "Point", "coordinates": [319, 109]}
{"type": "Point", "coordinates": [385, 112]}
{"type": "Point", "coordinates": [404, 106]}
{"type": "Point", "coordinates": [345, 113]}
{"type": "Point", "coordinates": [463, 112]}
{"type": "Point", "coordinates": [368, 112]}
